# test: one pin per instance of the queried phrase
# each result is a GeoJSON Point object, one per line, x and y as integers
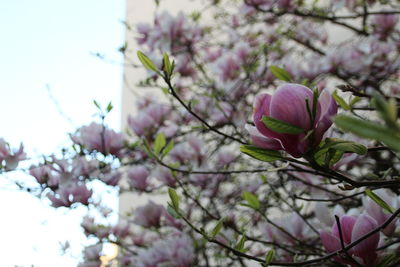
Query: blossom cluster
{"type": "Point", "coordinates": [269, 79]}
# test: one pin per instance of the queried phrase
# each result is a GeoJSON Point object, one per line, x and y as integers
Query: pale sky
{"type": "Point", "coordinates": [49, 43]}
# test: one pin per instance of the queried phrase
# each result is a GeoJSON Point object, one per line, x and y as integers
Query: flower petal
{"type": "Point", "coordinates": [328, 109]}
{"type": "Point", "coordinates": [289, 104]}
{"type": "Point", "coordinates": [346, 224]}
{"type": "Point", "coordinates": [330, 242]}
{"type": "Point", "coordinates": [363, 225]}
{"type": "Point", "coordinates": [261, 108]}
{"type": "Point", "coordinates": [261, 141]}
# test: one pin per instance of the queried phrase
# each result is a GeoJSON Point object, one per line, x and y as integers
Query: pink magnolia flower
{"type": "Point", "coordinates": [98, 137]}
{"type": "Point", "coordinates": [169, 130]}
{"type": "Point", "coordinates": [377, 212]}
{"type": "Point", "coordinates": [164, 175]}
{"type": "Point", "coordinates": [222, 113]}
{"type": "Point", "coordinates": [3, 149]}
{"type": "Point", "coordinates": [91, 256]}
{"type": "Point", "coordinates": [169, 33]}
{"type": "Point", "coordinates": [141, 123]}
{"type": "Point", "coordinates": [90, 227]}
{"type": "Point", "coordinates": [157, 111]}
{"type": "Point", "coordinates": [137, 177]}
{"type": "Point", "coordinates": [70, 194]}
{"type": "Point", "coordinates": [353, 228]}
{"type": "Point", "coordinates": [81, 194]}
{"type": "Point", "coordinates": [112, 178]}
{"type": "Point", "coordinates": [384, 24]}
{"type": "Point", "coordinates": [171, 221]}
{"type": "Point", "coordinates": [149, 215]}
{"type": "Point", "coordinates": [292, 225]}
{"type": "Point", "coordinates": [212, 53]}
{"type": "Point", "coordinates": [227, 67]}
{"type": "Point", "coordinates": [121, 230]}
{"type": "Point", "coordinates": [61, 199]}
{"type": "Point", "coordinates": [82, 166]}
{"type": "Point", "coordinates": [41, 173]}
{"type": "Point", "coordinates": [175, 251]}
{"type": "Point", "coordinates": [225, 157]}
{"type": "Point", "coordinates": [288, 104]}
{"type": "Point", "coordinates": [193, 149]}
{"type": "Point", "coordinates": [11, 158]}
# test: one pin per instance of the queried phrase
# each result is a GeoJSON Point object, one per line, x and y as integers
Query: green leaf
{"type": "Point", "coordinates": [386, 173]}
{"type": "Point", "coordinates": [167, 65]}
{"type": "Point", "coordinates": [168, 148]}
{"type": "Point", "coordinates": [109, 107]}
{"type": "Point", "coordinates": [195, 15]}
{"type": "Point", "coordinates": [387, 109]}
{"type": "Point", "coordinates": [240, 245]}
{"type": "Point", "coordinates": [217, 228]}
{"type": "Point", "coordinates": [147, 63]}
{"type": "Point", "coordinates": [281, 126]}
{"type": "Point", "coordinates": [96, 104]}
{"type": "Point", "coordinates": [263, 178]}
{"type": "Point", "coordinates": [159, 143]}
{"type": "Point", "coordinates": [260, 153]}
{"type": "Point", "coordinates": [280, 73]}
{"type": "Point", "coordinates": [147, 149]}
{"type": "Point", "coordinates": [165, 90]}
{"type": "Point", "coordinates": [251, 199]}
{"type": "Point", "coordinates": [345, 146]}
{"type": "Point", "coordinates": [340, 101]}
{"type": "Point", "coordinates": [174, 198]}
{"type": "Point", "coordinates": [329, 158]}
{"type": "Point", "coordinates": [379, 201]}
{"type": "Point", "coordinates": [331, 150]}
{"type": "Point", "coordinates": [387, 259]}
{"type": "Point", "coordinates": [269, 257]}
{"type": "Point", "coordinates": [355, 100]}
{"type": "Point", "coordinates": [369, 130]}
{"type": "Point", "coordinates": [173, 212]}
{"type": "Point", "coordinates": [134, 145]}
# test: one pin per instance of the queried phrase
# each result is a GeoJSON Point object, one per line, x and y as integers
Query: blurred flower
{"type": "Point", "coordinates": [99, 138]}
{"type": "Point", "coordinates": [384, 24]}
{"type": "Point", "coordinates": [69, 194]}
{"type": "Point", "coordinates": [91, 256]}
{"type": "Point", "coordinates": [112, 178]}
{"type": "Point", "coordinates": [165, 176]}
{"type": "Point", "coordinates": [137, 177]}
{"type": "Point", "coordinates": [11, 158]}
{"type": "Point", "coordinates": [174, 251]}
{"type": "Point", "coordinates": [149, 215]}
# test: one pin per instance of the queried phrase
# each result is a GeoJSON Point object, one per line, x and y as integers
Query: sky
{"type": "Point", "coordinates": [49, 78]}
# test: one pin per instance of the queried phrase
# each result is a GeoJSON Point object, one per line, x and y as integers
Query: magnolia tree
{"type": "Point", "coordinates": [276, 141]}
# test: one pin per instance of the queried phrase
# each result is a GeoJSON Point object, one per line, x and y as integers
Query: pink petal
{"type": "Point", "coordinates": [289, 104]}
{"type": "Point", "coordinates": [295, 145]}
{"type": "Point", "coordinates": [390, 229]}
{"type": "Point", "coordinates": [328, 109]}
{"type": "Point", "coordinates": [290, 143]}
{"type": "Point", "coordinates": [261, 141]}
{"type": "Point", "coordinates": [364, 225]}
{"type": "Point", "coordinates": [346, 224]}
{"type": "Point", "coordinates": [330, 242]}
{"type": "Point", "coordinates": [377, 212]}
{"type": "Point", "coordinates": [261, 108]}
